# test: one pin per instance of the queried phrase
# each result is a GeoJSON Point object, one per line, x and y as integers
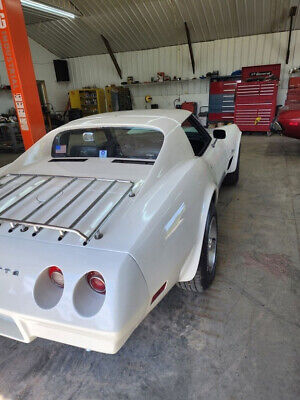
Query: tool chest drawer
{"type": "Point", "coordinates": [255, 105]}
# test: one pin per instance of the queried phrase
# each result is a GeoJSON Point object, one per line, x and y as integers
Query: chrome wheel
{"type": "Point", "coordinates": [212, 245]}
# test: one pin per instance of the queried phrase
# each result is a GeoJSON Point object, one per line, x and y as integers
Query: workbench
{"type": "Point", "coordinates": [10, 137]}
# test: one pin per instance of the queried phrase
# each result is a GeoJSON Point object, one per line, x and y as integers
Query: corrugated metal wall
{"type": "Point", "coordinates": [224, 55]}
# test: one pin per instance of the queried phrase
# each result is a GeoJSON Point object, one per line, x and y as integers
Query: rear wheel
{"type": "Point", "coordinates": [207, 265]}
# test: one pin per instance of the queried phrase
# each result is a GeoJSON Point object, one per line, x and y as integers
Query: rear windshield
{"type": "Point", "coordinates": [108, 142]}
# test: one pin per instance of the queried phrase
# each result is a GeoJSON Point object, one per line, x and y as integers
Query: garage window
{"type": "Point", "coordinates": [196, 134]}
{"type": "Point", "coordinates": [108, 142]}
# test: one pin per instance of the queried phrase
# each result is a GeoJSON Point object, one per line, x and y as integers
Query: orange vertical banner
{"type": "Point", "coordinates": [17, 56]}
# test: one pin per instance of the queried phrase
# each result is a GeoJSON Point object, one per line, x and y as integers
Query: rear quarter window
{"type": "Point", "coordinates": [198, 137]}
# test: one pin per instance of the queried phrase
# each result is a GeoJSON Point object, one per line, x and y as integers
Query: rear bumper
{"type": "Point", "coordinates": [25, 330]}
{"type": "Point", "coordinates": [31, 306]}
{"type": "Point", "coordinates": [289, 119]}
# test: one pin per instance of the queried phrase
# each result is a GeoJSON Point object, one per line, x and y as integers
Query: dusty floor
{"type": "Point", "coordinates": [239, 340]}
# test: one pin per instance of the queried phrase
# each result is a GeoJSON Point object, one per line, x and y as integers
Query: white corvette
{"type": "Point", "coordinates": [102, 217]}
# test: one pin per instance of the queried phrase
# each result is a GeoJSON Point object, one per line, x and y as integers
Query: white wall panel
{"type": "Point", "coordinates": [225, 55]}
{"type": "Point", "coordinates": [44, 70]}
{"type": "Point", "coordinates": [6, 101]}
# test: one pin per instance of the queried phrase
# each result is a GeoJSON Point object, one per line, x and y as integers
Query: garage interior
{"type": "Point", "coordinates": [240, 338]}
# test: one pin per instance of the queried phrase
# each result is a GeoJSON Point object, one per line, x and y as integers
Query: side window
{"type": "Point", "coordinates": [196, 134]}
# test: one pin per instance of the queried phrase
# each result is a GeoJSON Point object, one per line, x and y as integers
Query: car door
{"type": "Point", "coordinates": [217, 157]}
{"type": "Point", "coordinates": [214, 152]}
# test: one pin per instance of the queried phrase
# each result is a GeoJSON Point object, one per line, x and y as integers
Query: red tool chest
{"type": "Point", "coordinates": [294, 83]}
{"type": "Point", "coordinates": [221, 99]}
{"type": "Point", "coordinates": [293, 94]}
{"type": "Point", "coordinates": [255, 105]}
{"type": "Point", "coordinates": [256, 97]}
{"type": "Point", "coordinates": [261, 71]}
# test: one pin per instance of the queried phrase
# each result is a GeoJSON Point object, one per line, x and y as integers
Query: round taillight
{"type": "Point", "coordinates": [96, 282]}
{"type": "Point", "coordinates": [56, 276]}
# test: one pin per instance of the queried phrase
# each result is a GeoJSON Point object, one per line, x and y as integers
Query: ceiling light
{"type": "Point", "coordinates": [47, 9]}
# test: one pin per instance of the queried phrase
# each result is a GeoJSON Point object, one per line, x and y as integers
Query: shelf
{"type": "Point", "coordinates": [164, 82]}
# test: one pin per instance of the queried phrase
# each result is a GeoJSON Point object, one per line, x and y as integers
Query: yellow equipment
{"type": "Point", "coordinates": [90, 101]}
{"type": "Point", "coordinates": [257, 120]}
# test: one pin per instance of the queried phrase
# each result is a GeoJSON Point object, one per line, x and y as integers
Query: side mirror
{"type": "Point", "coordinates": [219, 134]}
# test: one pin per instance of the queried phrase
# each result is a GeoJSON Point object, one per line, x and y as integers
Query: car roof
{"type": "Point", "coordinates": [132, 117]}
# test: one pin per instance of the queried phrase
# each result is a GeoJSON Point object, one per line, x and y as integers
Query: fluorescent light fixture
{"type": "Point", "coordinates": [47, 9]}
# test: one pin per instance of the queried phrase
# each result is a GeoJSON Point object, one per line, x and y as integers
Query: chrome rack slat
{"type": "Point", "coordinates": [41, 226]}
{"type": "Point", "coordinates": [42, 205]}
{"type": "Point", "coordinates": [92, 205]}
{"type": "Point", "coordinates": [108, 215]}
{"type": "Point", "coordinates": [68, 176]}
{"type": "Point", "coordinates": [11, 180]}
{"type": "Point", "coordinates": [18, 187]}
{"type": "Point", "coordinates": [26, 195]}
{"type": "Point", "coordinates": [3, 176]}
{"type": "Point", "coordinates": [45, 225]}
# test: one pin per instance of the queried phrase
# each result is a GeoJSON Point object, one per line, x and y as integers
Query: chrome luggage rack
{"type": "Point", "coordinates": [26, 222]}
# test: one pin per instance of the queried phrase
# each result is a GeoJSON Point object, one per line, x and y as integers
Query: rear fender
{"type": "Point", "coordinates": [190, 266]}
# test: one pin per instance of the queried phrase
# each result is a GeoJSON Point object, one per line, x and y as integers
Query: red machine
{"type": "Point", "coordinates": [289, 116]}
{"type": "Point", "coordinates": [256, 98]}
{"type": "Point", "coordinates": [289, 120]}
{"type": "Point", "coordinates": [189, 106]}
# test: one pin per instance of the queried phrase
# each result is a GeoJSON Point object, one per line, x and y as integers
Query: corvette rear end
{"type": "Point", "coordinates": [61, 278]}
{"type": "Point", "coordinates": [102, 217]}
{"type": "Point", "coordinates": [77, 309]}
{"type": "Point", "coordinates": [68, 291]}
{"type": "Point", "coordinates": [289, 119]}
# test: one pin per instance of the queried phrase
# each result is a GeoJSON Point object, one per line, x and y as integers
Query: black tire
{"type": "Point", "coordinates": [205, 273]}
{"type": "Point", "coordinates": [233, 177]}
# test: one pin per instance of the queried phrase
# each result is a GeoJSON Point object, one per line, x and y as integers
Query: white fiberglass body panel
{"type": "Point", "coordinates": [139, 223]}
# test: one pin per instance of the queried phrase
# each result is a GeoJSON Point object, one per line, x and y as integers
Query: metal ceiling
{"type": "Point", "coordinates": [34, 17]}
{"type": "Point", "coordinates": [143, 24]}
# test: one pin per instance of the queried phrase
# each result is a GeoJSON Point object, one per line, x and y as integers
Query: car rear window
{"type": "Point", "coordinates": [106, 142]}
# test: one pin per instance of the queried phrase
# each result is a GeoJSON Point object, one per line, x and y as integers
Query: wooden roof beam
{"type": "Point", "coordinates": [187, 31]}
{"type": "Point", "coordinates": [114, 60]}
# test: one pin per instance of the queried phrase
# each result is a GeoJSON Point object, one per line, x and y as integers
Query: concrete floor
{"type": "Point", "coordinates": [239, 340]}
